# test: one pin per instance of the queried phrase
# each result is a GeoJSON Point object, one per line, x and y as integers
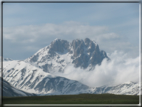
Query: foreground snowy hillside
{"type": "Point", "coordinates": [10, 91]}
{"type": "Point", "coordinates": [29, 78]}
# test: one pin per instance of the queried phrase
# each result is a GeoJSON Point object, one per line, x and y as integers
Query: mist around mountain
{"type": "Point", "coordinates": [68, 68]}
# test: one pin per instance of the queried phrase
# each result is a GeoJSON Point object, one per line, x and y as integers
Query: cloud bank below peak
{"type": "Point", "coordinates": [119, 69]}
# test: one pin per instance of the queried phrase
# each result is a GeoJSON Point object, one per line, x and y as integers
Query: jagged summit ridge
{"type": "Point", "coordinates": [59, 45]}
{"type": "Point", "coordinates": [60, 53]}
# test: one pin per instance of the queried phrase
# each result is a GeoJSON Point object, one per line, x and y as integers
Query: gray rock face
{"type": "Point", "coordinates": [87, 52]}
{"type": "Point", "coordinates": [59, 45]}
{"type": "Point", "coordinates": [83, 53]}
{"type": "Point", "coordinates": [78, 47]}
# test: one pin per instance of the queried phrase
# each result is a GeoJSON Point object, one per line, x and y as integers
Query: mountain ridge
{"type": "Point", "coordinates": [29, 78]}
{"type": "Point", "coordinates": [35, 74]}
{"type": "Point", "coordinates": [80, 53]}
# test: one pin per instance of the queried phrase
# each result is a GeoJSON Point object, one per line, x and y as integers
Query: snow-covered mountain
{"type": "Point", "coordinates": [36, 74]}
{"type": "Point", "coordinates": [10, 91]}
{"type": "Point", "coordinates": [129, 88]}
{"type": "Point", "coordinates": [60, 53]}
{"type": "Point", "coordinates": [30, 78]}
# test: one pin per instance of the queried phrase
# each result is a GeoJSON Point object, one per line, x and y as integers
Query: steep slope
{"type": "Point", "coordinates": [60, 53]}
{"type": "Point", "coordinates": [29, 78]}
{"type": "Point", "coordinates": [10, 91]}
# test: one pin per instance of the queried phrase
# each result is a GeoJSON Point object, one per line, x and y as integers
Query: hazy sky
{"type": "Point", "coordinates": [29, 27]}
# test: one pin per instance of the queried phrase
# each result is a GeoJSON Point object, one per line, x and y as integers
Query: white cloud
{"type": "Point", "coordinates": [119, 70]}
{"type": "Point", "coordinates": [32, 33]}
{"type": "Point", "coordinates": [110, 35]}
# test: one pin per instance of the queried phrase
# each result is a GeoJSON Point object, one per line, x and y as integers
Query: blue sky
{"type": "Point", "coordinates": [29, 27]}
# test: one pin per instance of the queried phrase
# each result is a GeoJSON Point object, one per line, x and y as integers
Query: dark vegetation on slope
{"type": "Point", "coordinates": [74, 99]}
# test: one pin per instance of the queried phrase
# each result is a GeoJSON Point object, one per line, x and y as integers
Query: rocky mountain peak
{"type": "Point", "coordinates": [87, 41]}
{"type": "Point", "coordinates": [81, 53]}
{"type": "Point", "coordinates": [87, 53]}
{"type": "Point", "coordinates": [59, 45]}
{"type": "Point", "coordinates": [77, 42]}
